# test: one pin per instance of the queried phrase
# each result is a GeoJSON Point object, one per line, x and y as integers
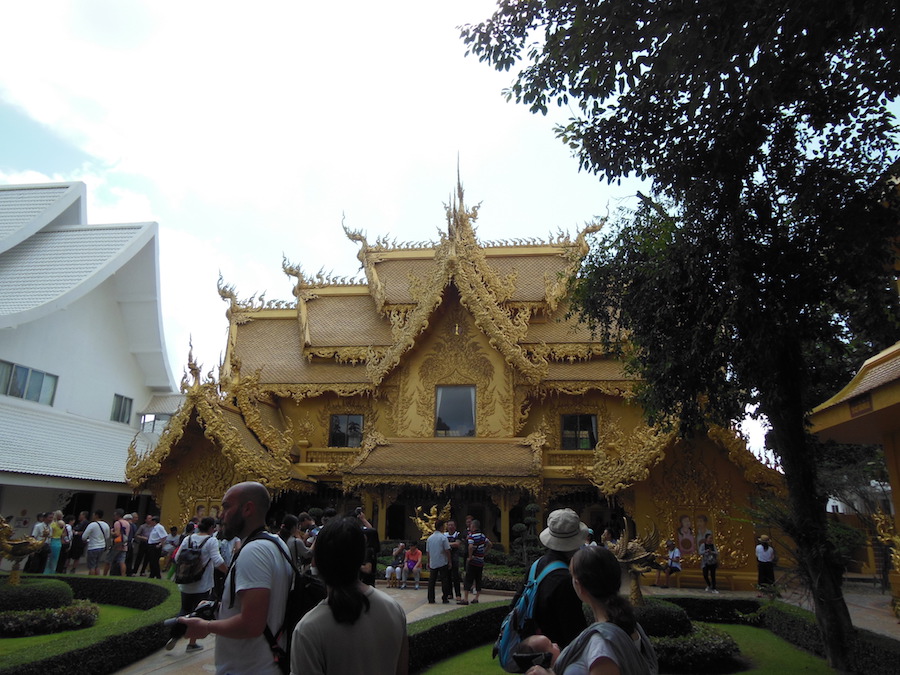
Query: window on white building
{"type": "Point", "coordinates": [28, 383]}
{"type": "Point", "coordinates": [153, 423]}
{"type": "Point", "coordinates": [454, 411]}
{"type": "Point", "coordinates": [121, 410]}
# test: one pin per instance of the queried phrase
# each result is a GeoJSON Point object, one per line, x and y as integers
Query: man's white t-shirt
{"type": "Point", "coordinates": [95, 535]}
{"type": "Point", "coordinates": [259, 564]}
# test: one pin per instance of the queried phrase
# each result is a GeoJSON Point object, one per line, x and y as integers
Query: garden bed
{"type": "Point", "coordinates": [103, 649]}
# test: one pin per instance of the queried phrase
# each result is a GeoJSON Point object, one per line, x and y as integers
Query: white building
{"type": "Point", "coordinates": [82, 352]}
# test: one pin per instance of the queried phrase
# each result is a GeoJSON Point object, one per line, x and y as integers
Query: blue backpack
{"type": "Point", "coordinates": [516, 625]}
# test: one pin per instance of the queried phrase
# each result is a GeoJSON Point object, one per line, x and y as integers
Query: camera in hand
{"type": "Point", "coordinates": [526, 661]}
{"type": "Point", "coordinates": [206, 610]}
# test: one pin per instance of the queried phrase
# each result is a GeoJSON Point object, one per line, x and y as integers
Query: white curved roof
{"type": "Point", "coordinates": [40, 440]}
{"type": "Point", "coordinates": [50, 257]}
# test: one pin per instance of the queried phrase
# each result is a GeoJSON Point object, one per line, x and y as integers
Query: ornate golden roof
{"type": "Point", "coordinates": [263, 454]}
{"type": "Point", "coordinates": [443, 463]}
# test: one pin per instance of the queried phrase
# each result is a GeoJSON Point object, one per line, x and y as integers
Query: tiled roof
{"type": "Point", "coordinates": [20, 205]}
{"type": "Point", "coordinates": [54, 261]}
{"type": "Point", "coordinates": [595, 369]}
{"type": "Point", "coordinates": [35, 440]}
{"type": "Point", "coordinates": [532, 273]}
{"type": "Point", "coordinates": [272, 348]}
{"type": "Point", "coordinates": [451, 457]}
{"type": "Point", "coordinates": [878, 371]}
{"type": "Point", "coordinates": [164, 405]}
{"type": "Point", "coordinates": [557, 329]}
{"type": "Point", "coordinates": [346, 320]}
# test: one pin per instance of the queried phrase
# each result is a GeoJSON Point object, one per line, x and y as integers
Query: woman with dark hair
{"type": "Point", "coordinates": [356, 629]}
{"type": "Point", "coordinates": [615, 644]}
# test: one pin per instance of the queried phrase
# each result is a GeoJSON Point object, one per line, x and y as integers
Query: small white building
{"type": "Point", "coordinates": [82, 352]}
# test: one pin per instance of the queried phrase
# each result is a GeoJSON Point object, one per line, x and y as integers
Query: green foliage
{"type": "Point", "coordinates": [663, 619]}
{"type": "Point", "coordinates": [19, 623]}
{"type": "Point", "coordinates": [795, 625]}
{"type": "Point", "coordinates": [719, 609]}
{"type": "Point", "coordinates": [704, 650]}
{"type": "Point", "coordinates": [34, 593]}
{"type": "Point", "coordinates": [440, 637]}
{"type": "Point", "coordinates": [767, 274]}
{"type": "Point", "coordinates": [104, 649]}
{"type": "Point", "coordinates": [845, 539]}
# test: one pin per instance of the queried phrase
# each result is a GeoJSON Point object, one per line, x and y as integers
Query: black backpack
{"type": "Point", "coordinates": [306, 592]}
{"type": "Point", "coordinates": [189, 566]}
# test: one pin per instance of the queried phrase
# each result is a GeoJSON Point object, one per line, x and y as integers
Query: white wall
{"type": "Point", "coordinates": [86, 346]}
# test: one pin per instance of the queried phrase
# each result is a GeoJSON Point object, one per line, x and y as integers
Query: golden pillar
{"type": "Point", "coordinates": [504, 501]}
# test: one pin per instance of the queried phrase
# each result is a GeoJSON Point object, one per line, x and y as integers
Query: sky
{"type": "Point", "coordinates": [251, 132]}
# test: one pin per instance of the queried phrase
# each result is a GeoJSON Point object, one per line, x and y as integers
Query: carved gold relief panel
{"type": "Point", "coordinates": [457, 353]}
{"type": "Point", "coordinates": [696, 493]}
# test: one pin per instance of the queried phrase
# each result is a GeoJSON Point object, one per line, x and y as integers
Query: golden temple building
{"type": "Point", "coordinates": [450, 373]}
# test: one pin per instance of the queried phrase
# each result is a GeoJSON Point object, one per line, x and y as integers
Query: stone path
{"type": "Point", "coordinates": [869, 608]}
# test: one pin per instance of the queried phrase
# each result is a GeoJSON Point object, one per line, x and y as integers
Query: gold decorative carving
{"type": "Point", "coordinates": [688, 487]}
{"type": "Point", "coordinates": [887, 535]}
{"type": "Point", "coordinates": [457, 360]}
{"type": "Point", "coordinates": [620, 459]}
{"type": "Point", "coordinates": [619, 388]}
{"type": "Point", "coordinates": [570, 352]}
{"type": "Point", "coordinates": [352, 355]}
{"type": "Point", "coordinates": [425, 521]}
{"type": "Point", "coordinates": [16, 550]}
{"type": "Point", "coordinates": [299, 392]}
{"type": "Point", "coordinates": [738, 453]}
{"type": "Point", "coordinates": [272, 467]}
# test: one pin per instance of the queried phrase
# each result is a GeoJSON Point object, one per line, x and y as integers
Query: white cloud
{"type": "Point", "coordinates": [248, 131]}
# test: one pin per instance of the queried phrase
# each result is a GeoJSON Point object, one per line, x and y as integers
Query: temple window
{"type": "Point", "coordinates": [579, 432]}
{"type": "Point", "coordinates": [28, 383]}
{"type": "Point", "coordinates": [454, 411]}
{"type": "Point", "coordinates": [121, 409]}
{"type": "Point", "coordinates": [154, 423]}
{"type": "Point", "coordinates": [346, 431]}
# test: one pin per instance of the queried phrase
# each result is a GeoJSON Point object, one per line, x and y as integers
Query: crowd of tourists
{"type": "Point", "coordinates": [249, 567]}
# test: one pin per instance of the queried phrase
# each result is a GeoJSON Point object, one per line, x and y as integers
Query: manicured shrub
{"type": "Point", "coordinates": [21, 623]}
{"type": "Point", "coordinates": [34, 593]}
{"type": "Point", "coordinates": [440, 637]}
{"type": "Point", "coordinates": [795, 625]}
{"type": "Point", "coordinates": [718, 609]}
{"type": "Point", "coordinates": [660, 618]}
{"type": "Point", "coordinates": [873, 653]}
{"type": "Point", "coordinates": [704, 650]}
{"type": "Point", "coordinates": [104, 649]}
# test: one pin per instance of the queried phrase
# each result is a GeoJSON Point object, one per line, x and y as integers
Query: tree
{"type": "Point", "coordinates": [760, 268]}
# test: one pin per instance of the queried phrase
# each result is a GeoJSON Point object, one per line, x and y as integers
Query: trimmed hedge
{"type": "Point", "coordinates": [718, 609]}
{"type": "Point", "coordinates": [871, 652]}
{"type": "Point", "coordinates": [22, 623]}
{"type": "Point", "coordinates": [445, 635]}
{"type": "Point", "coordinates": [659, 618]}
{"type": "Point", "coordinates": [104, 649]}
{"type": "Point", "coordinates": [34, 593]}
{"type": "Point", "coordinates": [704, 650]}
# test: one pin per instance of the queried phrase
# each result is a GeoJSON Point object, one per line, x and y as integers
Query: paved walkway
{"type": "Point", "coordinates": [414, 603]}
{"type": "Point", "coordinates": [869, 608]}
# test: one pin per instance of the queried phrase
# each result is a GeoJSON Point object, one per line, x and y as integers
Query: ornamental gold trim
{"type": "Point", "coordinates": [272, 467]}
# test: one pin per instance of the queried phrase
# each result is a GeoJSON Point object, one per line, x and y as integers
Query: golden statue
{"type": "Point", "coordinates": [16, 549]}
{"type": "Point", "coordinates": [635, 555]}
{"type": "Point", "coordinates": [425, 521]}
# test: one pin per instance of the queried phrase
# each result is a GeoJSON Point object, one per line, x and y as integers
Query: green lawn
{"type": "Point", "coordinates": [109, 614]}
{"type": "Point", "coordinates": [765, 652]}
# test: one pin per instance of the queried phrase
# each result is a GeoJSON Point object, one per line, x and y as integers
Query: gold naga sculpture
{"type": "Point", "coordinates": [16, 550]}
{"type": "Point", "coordinates": [635, 556]}
{"type": "Point", "coordinates": [425, 521]}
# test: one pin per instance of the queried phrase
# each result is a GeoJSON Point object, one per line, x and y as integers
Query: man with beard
{"type": "Point", "coordinates": [256, 588]}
